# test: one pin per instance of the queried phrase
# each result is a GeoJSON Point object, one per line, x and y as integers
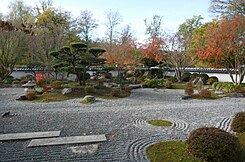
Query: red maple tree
{"type": "Point", "coordinates": [225, 47]}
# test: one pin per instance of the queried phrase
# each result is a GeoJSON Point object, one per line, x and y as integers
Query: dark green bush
{"type": "Point", "coordinates": [212, 79]}
{"type": "Point", "coordinates": [204, 77]}
{"type": "Point", "coordinates": [193, 76]}
{"type": "Point", "coordinates": [185, 77]}
{"type": "Point", "coordinates": [238, 123]}
{"type": "Point", "coordinates": [89, 89]}
{"type": "Point", "coordinates": [8, 80]}
{"type": "Point", "coordinates": [56, 84]}
{"type": "Point", "coordinates": [154, 83]}
{"type": "Point", "coordinates": [213, 144]}
{"type": "Point", "coordinates": [172, 79]}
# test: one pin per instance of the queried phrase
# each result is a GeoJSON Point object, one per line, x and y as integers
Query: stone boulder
{"type": "Point", "coordinates": [187, 97]}
{"type": "Point", "coordinates": [88, 99]}
{"type": "Point", "coordinates": [236, 95]}
{"type": "Point", "coordinates": [66, 91]}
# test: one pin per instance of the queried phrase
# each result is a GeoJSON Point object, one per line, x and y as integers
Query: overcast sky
{"type": "Point", "coordinates": [174, 12]}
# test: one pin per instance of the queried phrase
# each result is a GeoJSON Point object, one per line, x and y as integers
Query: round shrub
{"type": "Point", "coordinates": [212, 79]}
{"type": "Point", "coordinates": [239, 89]}
{"type": "Point", "coordinates": [30, 94]}
{"type": "Point", "coordinates": [152, 83]}
{"type": "Point", "coordinates": [204, 77]}
{"type": "Point", "coordinates": [185, 77]}
{"type": "Point", "coordinates": [205, 93]}
{"type": "Point", "coordinates": [188, 88]}
{"type": "Point", "coordinates": [238, 123]}
{"type": "Point", "coordinates": [168, 84]}
{"type": "Point", "coordinates": [213, 144]}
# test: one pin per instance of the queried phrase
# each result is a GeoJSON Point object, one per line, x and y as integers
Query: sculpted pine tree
{"type": "Point", "coordinates": [77, 58]}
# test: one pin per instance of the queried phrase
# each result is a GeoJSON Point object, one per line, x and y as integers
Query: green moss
{"type": "Point", "coordinates": [161, 123]}
{"type": "Point", "coordinates": [169, 151]}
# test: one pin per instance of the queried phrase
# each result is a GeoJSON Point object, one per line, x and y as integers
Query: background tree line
{"type": "Point", "coordinates": [28, 34]}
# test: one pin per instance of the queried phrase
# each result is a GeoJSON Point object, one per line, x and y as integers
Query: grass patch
{"type": "Point", "coordinates": [161, 123]}
{"type": "Point", "coordinates": [241, 137]}
{"type": "Point", "coordinates": [178, 86]}
{"type": "Point", "coordinates": [177, 151]}
{"type": "Point", "coordinates": [169, 151]}
{"type": "Point", "coordinates": [212, 97]}
{"type": "Point", "coordinates": [79, 92]}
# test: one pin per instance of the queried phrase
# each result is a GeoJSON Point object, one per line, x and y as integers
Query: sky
{"type": "Point", "coordinates": [133, 12]}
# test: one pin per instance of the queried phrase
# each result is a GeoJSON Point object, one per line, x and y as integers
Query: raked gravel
{"type": "Point", "coordinates": [124, 121]}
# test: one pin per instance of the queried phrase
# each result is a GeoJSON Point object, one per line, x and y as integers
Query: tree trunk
{"type": "Point", "coordinates": [84, 76]}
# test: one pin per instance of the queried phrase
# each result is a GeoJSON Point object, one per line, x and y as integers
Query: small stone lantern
{"type": "Point", "coordinates": [29, 86]}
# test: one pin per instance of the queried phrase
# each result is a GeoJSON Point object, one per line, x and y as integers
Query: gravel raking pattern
{"type": "Point", "coordinates": [124, 121]}
{"type": "Point", "coordinates": [180, 125]}
{"type": "Point", "coordinates": [225, 124]}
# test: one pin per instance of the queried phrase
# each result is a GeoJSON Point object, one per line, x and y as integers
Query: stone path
{"type": "Point", "coordinates": [30, 135]}
{"type": "Point", "coordinates": [123, 121]}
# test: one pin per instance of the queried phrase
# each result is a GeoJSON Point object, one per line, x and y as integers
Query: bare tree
{"type": "Point", "coordinates": [113, 19]}
{"type": "Point", "coordinates": [154, 27]}
{"type": "Point", "coordinates": [126, 34]}
{"type": "Point", "coordinates": [228, 8]}
{"type": "Point", "coordinates": [86, 25]}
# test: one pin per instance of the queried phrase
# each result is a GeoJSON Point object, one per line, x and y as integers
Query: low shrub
{"type": "Point", "coordinates": [154, 83]}
{"type": "Point", "coordinates": [214, 85]}
{"type": "Point", "coordinates": [16, 82]}
{"type": "Point", "coordinates": [126, 88]}
{"type": "Point", "coordinates": [56, 84]}
{"type": "Point", "coordinates": [185, 77]}
{"type": "Point", "coordinates": [239, 89]}
{"type": "Point", "coordinates": [89, 89]}
{"type": "Point", "coordinates": [238, 123]}
{"type": "Point", "coordinates": [204, 77]}
{"type": "Point", "coordinates": [168, 84]}
{"type": "Point", "coordinates": [193, 76]}
{"type": "Point", "coordinates": [189, 88]}
{"type": "Point", "coordinates": [30, 94]}
{"type": "Point", "coordinates": [8, 80]}
{"type": "Point", "coordinates": [205, 93]}
{"type": "Point", "coordinates": [213, 144]}
{"type": "Point", "coordinates": [172, 79]}
{"type": "Point", "coordinates": [115, 92]}
{"type": "Point", "coordinates": [108, 75]}
{"type": "Point", "coordinates": [212, 79]}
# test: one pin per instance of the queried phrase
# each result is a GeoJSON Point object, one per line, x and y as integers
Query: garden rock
{"type": "Point", "coordinates": [187, 97]}
{"type": "Point", "coordinates": [66, 91]}
{"type": "Point", "coordinates": [88, 99]}
{"type": "Point", "coordinates": [236, 95]}
{"type": "Point", "coordinates": [21, 98]}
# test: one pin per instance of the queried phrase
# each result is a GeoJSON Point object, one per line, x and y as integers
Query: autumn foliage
{"type": "Point", "coordinates": [152, 49]}
{"type": "Point", "coordinates": [225, 47]}
{"type": "Point", "coordinates": [224, 42]}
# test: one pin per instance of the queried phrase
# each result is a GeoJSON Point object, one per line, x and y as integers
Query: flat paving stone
{"type": "Point", "coordinates": [30, 135]}
{"type": "Point", "coordinates": [67, 140]}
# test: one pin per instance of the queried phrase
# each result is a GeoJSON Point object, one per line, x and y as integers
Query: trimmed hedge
{"type": "Point", "coordinates": [214, 144]}
{"type": "Point", "coordinates": [238, 123]}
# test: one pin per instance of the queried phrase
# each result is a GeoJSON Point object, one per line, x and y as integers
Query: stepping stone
{"type": "Point", "coordinates": [31, 135]}
{"type": "Point", "coordinates": [67, 140]}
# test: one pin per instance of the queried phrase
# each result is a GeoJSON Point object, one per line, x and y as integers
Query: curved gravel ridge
{"type": "Point", "coordinates": [122, 120]}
